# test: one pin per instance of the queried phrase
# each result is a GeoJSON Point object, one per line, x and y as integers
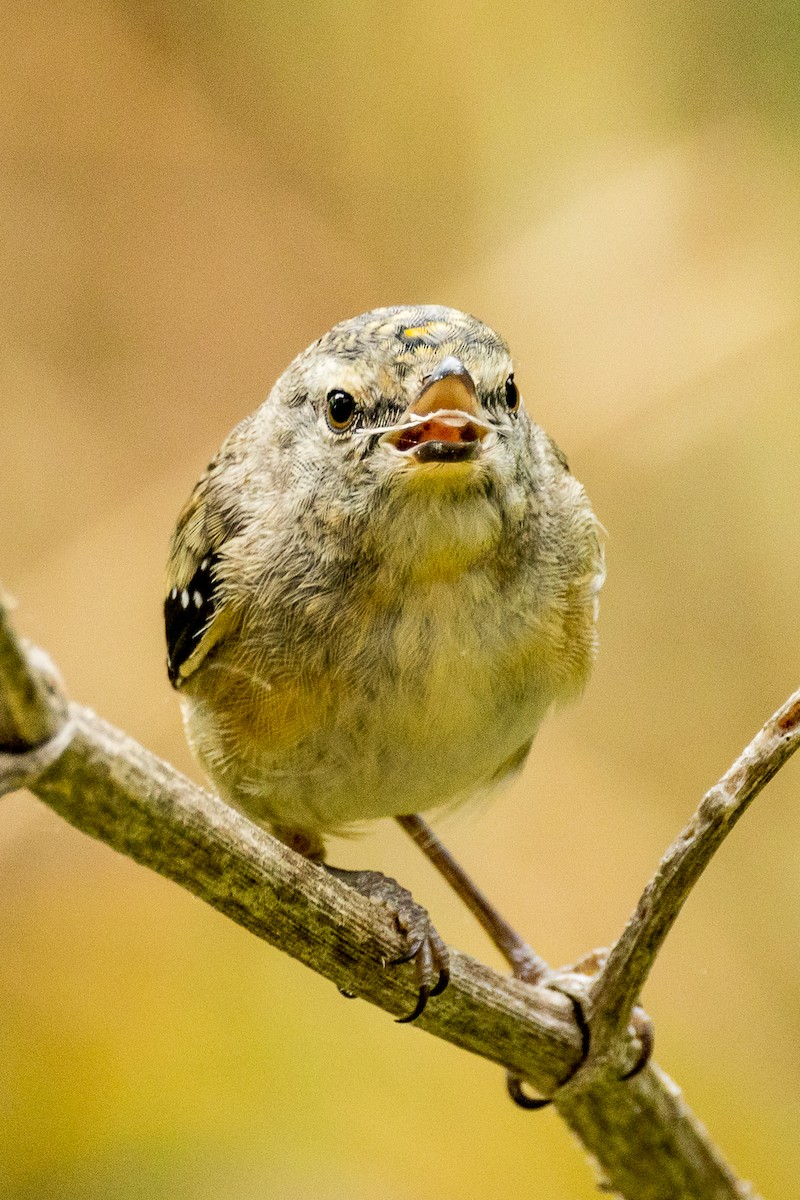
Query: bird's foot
{"type": "Point", "coordinates": [422, 944]}
{"type": "Point", "coordinates": [640, 1027]}
{"type": "Point", "coordinates": [515, 1083]}
{"type": "Point", "coordinates": [574, 982]}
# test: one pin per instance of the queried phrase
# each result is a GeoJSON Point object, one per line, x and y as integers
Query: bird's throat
{"type": "Point", "coordinates": [433, 539]}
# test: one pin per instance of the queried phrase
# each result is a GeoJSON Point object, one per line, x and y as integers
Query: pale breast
{"type": "Point", "coordinates": [419, 709]}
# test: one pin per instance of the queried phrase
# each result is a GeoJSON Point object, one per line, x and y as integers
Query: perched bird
{"type": "Point", "coordinates": [378, 588]}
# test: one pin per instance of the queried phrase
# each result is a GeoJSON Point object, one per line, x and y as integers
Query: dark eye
{"type": "Point", "coordinates": [341, 409]}
{"type": "Point", "coordinates": [512, 395]}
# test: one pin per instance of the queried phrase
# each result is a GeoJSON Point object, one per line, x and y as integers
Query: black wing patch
{"type": "Point", "coordinates": [187, 614]}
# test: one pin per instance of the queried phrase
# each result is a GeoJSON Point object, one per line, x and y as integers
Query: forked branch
{"type": "Point", "coordinates": [645, 1141]}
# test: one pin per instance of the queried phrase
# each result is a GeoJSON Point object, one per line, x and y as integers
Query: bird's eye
{"type": "Point", "coordinates": [341, 409]}
{"type": "Point", "coordinates": [512, 395]}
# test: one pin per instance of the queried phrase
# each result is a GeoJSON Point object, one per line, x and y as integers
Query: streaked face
{"type": "Point", "coordinates": [412, 393]}
{"type": "Point", "coordinates": [401, 432]}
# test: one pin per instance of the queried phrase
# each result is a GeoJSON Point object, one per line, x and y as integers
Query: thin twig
{"type": "Point", "coordinates": [618, 985]}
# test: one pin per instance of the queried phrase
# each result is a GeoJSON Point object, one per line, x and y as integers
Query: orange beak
{"type": "Point", "coordinates": [445, 422]}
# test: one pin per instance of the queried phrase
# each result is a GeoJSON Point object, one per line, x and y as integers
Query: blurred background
{"type": "Point", "coordinates": [189, 194]}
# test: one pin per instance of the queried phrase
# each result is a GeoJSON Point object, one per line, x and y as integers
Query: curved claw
{"type": "Point", "coordinates": [645, 1031]}
{"type": "Point", "coordinates": [423, 956]}
{"type": "Point", "coordinates": [410, 954]}
{"type": "Point", "coordinates": [585, 1031]}
{"type": "Point", "coordinates": [514, 1082]}
{"type": "Point", "coordinates": [427, 953]}
{"type": "Point", "coordinates": [441, 982]}
{"type": "Point", "coordinates": [419, 1007]}
{"type": "Point", "coordinates": [521, 1097]}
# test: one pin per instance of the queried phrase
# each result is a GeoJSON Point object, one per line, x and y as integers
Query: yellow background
{"type": "Point", "coordinates": [189, 194]}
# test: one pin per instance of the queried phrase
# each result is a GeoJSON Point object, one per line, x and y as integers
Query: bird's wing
{"type": "Point", "coordinates": [194, 620]}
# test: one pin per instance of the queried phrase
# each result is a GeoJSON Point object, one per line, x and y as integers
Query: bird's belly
{"type": "Point", "coordinates": [422, 712]}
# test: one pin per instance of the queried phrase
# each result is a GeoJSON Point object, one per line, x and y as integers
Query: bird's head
{"type": "Point", "coordinates": [405, 418]}
{"type": "Point", "coordinates": [413, 386]}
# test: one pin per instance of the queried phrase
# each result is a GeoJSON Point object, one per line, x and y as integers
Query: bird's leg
{"type": "Point", "coordinates": [525, 963]}
{"type": "Point", "coordinates": [423, 946]}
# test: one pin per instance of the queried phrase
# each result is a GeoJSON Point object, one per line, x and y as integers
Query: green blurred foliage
{"type": "Point", "coordinates": [188, 195]}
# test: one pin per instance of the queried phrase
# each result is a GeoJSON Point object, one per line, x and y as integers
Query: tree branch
{"type": "Point", "coordinates": [645, 1141]}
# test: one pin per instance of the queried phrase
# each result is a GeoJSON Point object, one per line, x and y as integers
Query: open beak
{"type": "Point", "coordinates": [445, 422]}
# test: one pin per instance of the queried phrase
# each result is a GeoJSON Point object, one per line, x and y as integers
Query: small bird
{"type": "Point", "coordinates": [380, 585]}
